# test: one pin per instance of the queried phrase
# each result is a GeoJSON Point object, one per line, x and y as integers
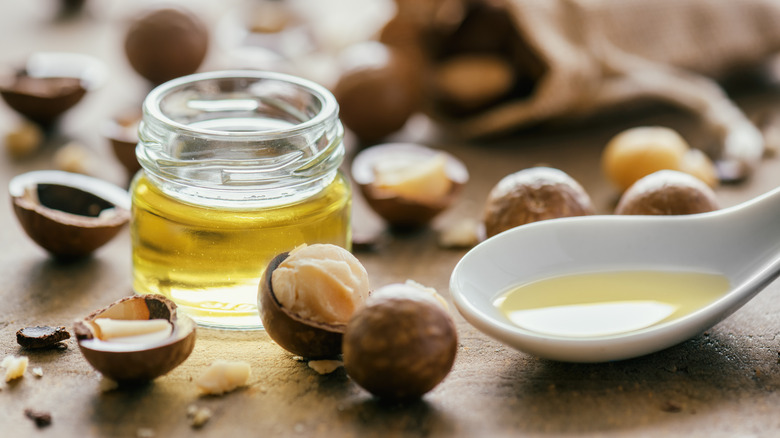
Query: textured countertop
{"type": "Point", "coordinates": [721, 383]}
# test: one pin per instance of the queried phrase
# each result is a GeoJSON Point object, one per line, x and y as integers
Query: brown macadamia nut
{"type": "Point", "coordinates": [377, 95]}
{"type": "Point", "coordinates": [531, 195]}
{"type": "Point", "coordinates": [166, 43]}
{"type": "Point", "coordinates": [322, 283]}
{"type": "Point", "coordinates": [637, 152]}
{"type": "Point", "coordinates": [402, 343]}
{"type": "Point", "coordinates": [667, 192]}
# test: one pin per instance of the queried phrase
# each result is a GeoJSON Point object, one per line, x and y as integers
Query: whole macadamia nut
{"type": "Point", "coordinates": [531, 195]}
{"type": "Point", "coordinates": [166, 43]}
{"type": "Point", "coordinates": [401, 343]}
{"type": "Point", "coordinates": [667, 192]}
{"type": "Point", "coordinates": [637, 152]}
{"type": "Point", "coordinates": [378, 92]}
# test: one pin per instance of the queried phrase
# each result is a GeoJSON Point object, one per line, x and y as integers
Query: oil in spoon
{"type": "Point", "coordinates": [608, 303]}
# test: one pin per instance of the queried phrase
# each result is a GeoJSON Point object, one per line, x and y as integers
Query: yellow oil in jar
{"type": "Point", "coordinates": [608, 303]}
{"type": "Point", "coordinates": [210, 260]}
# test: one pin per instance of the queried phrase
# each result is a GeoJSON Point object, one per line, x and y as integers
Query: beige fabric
{"type": "Point", "coordinates": [601, 53]}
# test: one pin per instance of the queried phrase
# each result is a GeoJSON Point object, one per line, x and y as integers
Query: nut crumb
{"type": "Point", "coordinates": [24, 140]}
{"type": "Point", "coordinates": [144, 432]}
{"type": "Point", "coordinates": [73, 157]}
{"type": "Point", "coordinates": [464, 233]}
{"type": "Point", "coordinates": [14, 367]}
{"type": "Point", "coordinates": [198, 416]}
{"type": "Point", "coordinates": [37, 372]}
{"type": "Point", "coordinates": [299, 358]}
{"type": "Point", "coordinates": [325, 366]}
{"type": "Point", "coordinates": [223, 376]}
{"type": "Point", "coordinates": [41, 418]}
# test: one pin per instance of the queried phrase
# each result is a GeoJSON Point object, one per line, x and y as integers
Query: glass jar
{"type": "Point", "coordinates": [237, 167]}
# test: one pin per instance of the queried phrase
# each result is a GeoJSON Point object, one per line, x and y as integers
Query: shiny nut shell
{"type": "Point", "coordinates": [137, 362]}
{"type": "Point", "coordinates": [667, 192]}
{"type": "Point", "coordinates": [296, 335]}
{"type": "Point", "coordinates": [50, 83]}
{"type": "Point", "coordinates": [400, 345]}
{"type": "Point", "coordinates": [60, 211]}
{"type": "Point", "coordinates": [121, 134]}
{"type": "Point", "coordinates": [398, 211]}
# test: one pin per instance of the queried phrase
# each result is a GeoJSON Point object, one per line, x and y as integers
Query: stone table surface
{"type": "Point", "coordinates": [723, 382]}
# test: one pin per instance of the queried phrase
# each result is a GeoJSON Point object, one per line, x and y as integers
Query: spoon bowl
{"type": "Point", "coordinates": [741, 243]}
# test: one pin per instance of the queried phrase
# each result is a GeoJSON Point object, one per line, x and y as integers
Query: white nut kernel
{"type": "Point", "coordinates": [321, 282]}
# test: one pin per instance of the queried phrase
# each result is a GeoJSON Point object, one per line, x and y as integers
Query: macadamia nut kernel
{"type": "Point", "coordinates": [321, 283]}
{"type": "Point", "coordinates": [14, 367]}
{"type": "Point", "coordinates": [417, 179]}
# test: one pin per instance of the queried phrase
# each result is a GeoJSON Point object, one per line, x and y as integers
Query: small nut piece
{"type": "Point", "coordinates": [531, 195]}
{"type": "Point", "coordinates": [667, 192]}
{"type": "Point", "coordinates": [41, 336]}
{"type": "Point", "coordinates": [307, 296]}
{"type": "Point", "coordinates": [14, 366]}
{"type": "Point", "coordinates": [402, 343]}
{"type": "Point", "coordinates": [24, 140]}
{"type": "Point", "coordinates": [223, 376]}
{"type": "Point", "coordinates": [471, 81]}
{"type": "Point", "coordinates": [640, 151]}
{"type": "Point", "coordinates": [137, 338]}
{"type": "Point", "coordinates": [408, 184]}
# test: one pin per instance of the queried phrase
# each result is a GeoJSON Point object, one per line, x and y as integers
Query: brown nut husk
{"type": "Point", "coordinates": [122, 133]}
{"type": "Point", "coordinates": [50, 83]}
{"type": "Point", "coordinates": [137, 362]}
{"type": "Point", "coordinates": [167, 43]}
{"type": "Point", "coordinates": [411, 207]}
{"type": "Point", "coordinates": [302, 327]}
{"type": "Point", "coordinates": [378, 94]}
{"type": "Point", "coordinates": [401, 344]}
{"type": "Point", "coordinates": [531, 195]}
{"type": "Point", "coordinates": [667, 192]}
{"type": "Point", "coordinates": [69, 215]}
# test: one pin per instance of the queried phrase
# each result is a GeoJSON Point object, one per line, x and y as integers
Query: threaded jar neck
{"type": "Point", "coordinates": [249, 136]}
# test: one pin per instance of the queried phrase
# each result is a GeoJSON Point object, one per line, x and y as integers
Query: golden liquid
{"type": "Point", "coordinates": [608, 303]}
{"type": "Point", "coordinates": [210, 260]}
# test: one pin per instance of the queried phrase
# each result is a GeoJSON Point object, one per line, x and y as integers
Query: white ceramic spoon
{"type": "Point", "coordinates": [741, 242]}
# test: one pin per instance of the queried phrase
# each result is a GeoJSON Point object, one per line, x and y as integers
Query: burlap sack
{"type": "Point", "coordinates": [577, 57]}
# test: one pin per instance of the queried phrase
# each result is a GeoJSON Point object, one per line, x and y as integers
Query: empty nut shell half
{"type": "Point", "coordinates": [70, 215]}
{"type": "Point", "coordinates": [136, 361]}
{"type": "Point", "coordinates": [418, 183]}
{"type": "Point", "coordinates": [310, 339]}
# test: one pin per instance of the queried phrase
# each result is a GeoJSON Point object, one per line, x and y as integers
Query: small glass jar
{"type": "Point", "coordinates": [237, 167]}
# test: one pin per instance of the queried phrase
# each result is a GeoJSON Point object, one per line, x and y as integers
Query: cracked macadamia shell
{"type": "Point", "coordinates": [402, 343]}
{"type": "Point", "coordinates": [136, 361]}
{"type": "Point", "coordinates": [319, 288]}
{"type": "Point", "coordinates": [408, 184]}
{"type": "Point", "coordinates": [69, 215]}
{"type": "Point", "coordinates": [531, 195]}
{"type": "Point", "coordinates": [667, 192]}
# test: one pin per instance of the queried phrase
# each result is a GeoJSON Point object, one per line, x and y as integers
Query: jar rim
{"type": "Point", "coordinates": [328, 110]}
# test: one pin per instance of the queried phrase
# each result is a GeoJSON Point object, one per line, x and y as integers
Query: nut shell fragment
{"type": "Point", "coordinates": [41, 336]}
{"type": "Point", "coordinates": [67, 214]}
{"type": "Point", "coordinates": [133, 362]}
